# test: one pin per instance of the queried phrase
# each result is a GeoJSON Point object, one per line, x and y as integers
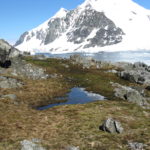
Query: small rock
{"type": "Point", "coordinates": [148, 88]}
{"type": "Point", "coordinates": [112, 71]}
{"type": "Point", "coordinates": [136, 146]}
{"type": "Point", "coordinates": [10, 96]}
{"type": "Point", "coordinates": [112, 126]}
{"type": "Point", "coordinates": [72, 148]}
{"type": "Point", "coordinates": [30, 145]}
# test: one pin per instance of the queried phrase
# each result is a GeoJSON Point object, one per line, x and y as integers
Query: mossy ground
{"type": "Point", "coordinates": [76, 125]}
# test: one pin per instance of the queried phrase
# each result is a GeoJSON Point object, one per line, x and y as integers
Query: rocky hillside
{"type": "Point", "coordinates": [93, 26]}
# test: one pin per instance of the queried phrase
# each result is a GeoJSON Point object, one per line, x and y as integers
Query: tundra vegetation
{"type": "Point", "coordinates": [76, 125]}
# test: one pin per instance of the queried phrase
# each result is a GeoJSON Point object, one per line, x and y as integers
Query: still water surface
{"type": "Point", "coordinates": [76, 96]}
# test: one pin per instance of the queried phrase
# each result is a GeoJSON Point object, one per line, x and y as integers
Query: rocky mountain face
{"type": "Point", "coordinates": [92, 26]}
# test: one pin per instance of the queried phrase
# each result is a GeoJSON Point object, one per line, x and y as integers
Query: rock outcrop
{"type": "Point", "coordinates": [7, 83]}
{"type": "Point", "coordinates": [137, 72]}
{"type": "Point", "coordinates": [21, 68]}
{"type": "Point", "coordinates": [130, 94]}
{"type": "Point", "coordinates": [88, 62]}
{"type": "Point", "coordinates": [12, 58]}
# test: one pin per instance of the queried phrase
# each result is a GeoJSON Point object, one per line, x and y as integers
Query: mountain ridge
{"type": "Point", "coordinates": [93, 26]}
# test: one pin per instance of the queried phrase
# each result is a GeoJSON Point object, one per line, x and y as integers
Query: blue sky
{"type": "Point", "coordinates": [18, 16]}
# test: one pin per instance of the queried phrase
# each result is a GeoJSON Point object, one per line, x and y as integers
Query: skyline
{"type": "Point", "coordinates": [20, 16]}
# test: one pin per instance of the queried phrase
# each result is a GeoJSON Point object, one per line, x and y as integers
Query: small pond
{"type": "Point", "coordinates": [76, 96]}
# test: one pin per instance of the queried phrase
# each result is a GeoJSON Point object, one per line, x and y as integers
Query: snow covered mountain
{"type": "Point", "coordinates": [95, 25]}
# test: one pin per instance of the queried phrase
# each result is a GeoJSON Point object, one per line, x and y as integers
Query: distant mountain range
{"type": "Point", "coordinates": [95, 25]}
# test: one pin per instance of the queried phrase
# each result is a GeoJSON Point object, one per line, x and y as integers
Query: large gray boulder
{"type": "Point", "coordinates": [12, 58]}
{"type": "Point", "coordinates": [137, 72]}
{"type": "Point", "coordinates": [8, 83]}
{"type": "Point", "coordinates": [112, 126]}
{"type": "Point", "coordinates": [130, 94]}
{"type": "Point", "coordinates": [31, 145]}
{"type": "Point", "coordinates": [7, 51]}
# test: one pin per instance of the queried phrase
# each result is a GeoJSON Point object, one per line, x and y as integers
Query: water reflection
{"type": "Point", "coordinates": [76, 96]}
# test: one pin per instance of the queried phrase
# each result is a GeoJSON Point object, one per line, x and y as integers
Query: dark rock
{"type": "Point", "coordinates": [6, 53]}
{"type": "Point", "coordinates": [112, 126]}
{"type": "Point", "coordinates": [107, 33]}
{"type": "Point", "coordinates": [147, 88]}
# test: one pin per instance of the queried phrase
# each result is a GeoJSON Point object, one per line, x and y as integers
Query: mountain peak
{"type": "Point", "coordinates": [61, 13]}
{"type": "Point", "coordinates": [93, 26]}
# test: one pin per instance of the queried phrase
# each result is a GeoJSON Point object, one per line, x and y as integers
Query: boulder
{"type": "Point", "coordinates": [112, 126]}
{"type": "Point", "coordinates": [8, 83]}
{"type": "Point", "coordinates": [136, 146]}
{"type": "Point", "coordinates": [11, 58]}
{"type": "Point", "coordinates": [137, 72]}
{"type": "Point", "coordinates": [31, 145]}
{"type": "Point", "coordinates": [129, 94]}
{"type": "Point", "coordinates": [6, 53]}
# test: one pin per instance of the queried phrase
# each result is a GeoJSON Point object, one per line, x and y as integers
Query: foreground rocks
{"type": "Point", "coordinates": [21, 68]}
{"type": "Point", "coordinates": [31, 145]}
{"type": "Point", "coordinates": [137, 72]}
{"type": "Point", "coordinates": [12, 58]}
{"type": "Point", "coordinates": [6, 53]}
{"type": "Point", "coordinates": [130, 94]}
{"type": "Point", "coordinates": [72, 148]}
{"type": "Point", "coordinates": [9, 96]}
{"type": "Point", "coordinates": [136, 146]}
{"type": "Point", "coordinates": [7, 83]}
{"type": "Point", "coordinates": [112, 126]}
